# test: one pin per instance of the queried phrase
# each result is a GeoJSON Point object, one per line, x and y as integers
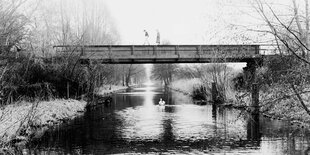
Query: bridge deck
{"type": "Point", "coordinates": [163, 53]}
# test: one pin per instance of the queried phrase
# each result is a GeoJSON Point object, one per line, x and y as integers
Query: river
{"type": "Point", "coordinates": [135, 124]}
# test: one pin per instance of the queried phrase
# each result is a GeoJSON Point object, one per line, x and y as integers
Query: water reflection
{"type": "Point", "coordinates": [253, 128]}
{"type": "Point", "coordinates": [134, 123]}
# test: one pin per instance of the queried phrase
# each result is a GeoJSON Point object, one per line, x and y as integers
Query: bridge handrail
{"type": "Point", "coordinates": [175, 48]}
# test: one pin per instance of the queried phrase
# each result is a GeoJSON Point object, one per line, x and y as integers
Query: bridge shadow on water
{"type": "Point", "coordinates": [134, 123]}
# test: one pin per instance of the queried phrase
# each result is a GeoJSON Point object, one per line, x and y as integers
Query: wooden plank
{"type": "Point", "coordinates": [187, 48]}
{"type": "Point", "coordinates": [121, 48]}
{"type": "Point", "coordinates": [144, 48]}
{"type": "Point", "coordinates": [148, 52]}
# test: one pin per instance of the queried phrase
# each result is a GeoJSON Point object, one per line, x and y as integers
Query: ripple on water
{"type": "Point", "coordinates": [187, 122]}
{"type": "Point", "coordinates": [135, 125]}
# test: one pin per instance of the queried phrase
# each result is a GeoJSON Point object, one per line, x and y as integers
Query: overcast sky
{"type": "Point", "coordinates": [181, 21]}
{"type": "Point", "coordinates": [178, 21]}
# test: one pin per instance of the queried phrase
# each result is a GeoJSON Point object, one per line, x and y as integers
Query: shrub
{"type": "Point", "coordinates": [200, 93]}
{"type": "Point", "coordinates": [29, 78]}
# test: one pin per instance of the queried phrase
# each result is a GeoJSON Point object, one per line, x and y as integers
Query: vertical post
{"type": "Point", "coordinates": [68, 91]}
{"type": "Point", "coordinates": [198, 51]}
{"type": "Point", "coordinates": [110, 52]}
{"type": "Point", "coordinates": [132, 49]}
{"type": "Point", "coordinates": [214, 92]}
{"type": "Point", "coordinates": [154, 50]}
{"type": "Point", "coordinates": [177, 51]}
{"type": "Point", "coordinates": [257, 49]}
{"type": "Point", "coordinates": [255, 98]}
{"type": "Point", "coordinates": [253, 132]}
{"type": "Point", "coordinates": [246, 76]}
{"type": "Point", "coordinates": [254, 88]}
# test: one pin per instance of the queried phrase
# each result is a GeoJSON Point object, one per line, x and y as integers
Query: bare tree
{"type": "Point", "coordinates": [291, 35]}
{"type": "Point", "coordinates": [133, 73]}
{"type": "Point", "coordinates": [164, 72]}
{"type": "Point", "coordinates": [13, 24]}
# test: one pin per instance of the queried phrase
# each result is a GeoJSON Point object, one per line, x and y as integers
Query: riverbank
{"type": "Point", "coordinates": [23, 121]}
{"type": "Point", "coordinates": [273, 103]}
{"type": "Point", "coordinates": [109, 89]}
{"type": "Point", "coordinates": [281, 103]}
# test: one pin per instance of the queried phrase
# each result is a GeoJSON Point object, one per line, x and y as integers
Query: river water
{"type": "Point", "coordinates": [135, 124]}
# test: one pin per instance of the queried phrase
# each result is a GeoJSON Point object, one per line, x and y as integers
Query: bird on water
{"type": "Point", "coordinates": [161, 102]}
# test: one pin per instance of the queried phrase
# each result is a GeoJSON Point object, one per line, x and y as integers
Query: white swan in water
{"type": "Point", "coordinates": [161, 102]}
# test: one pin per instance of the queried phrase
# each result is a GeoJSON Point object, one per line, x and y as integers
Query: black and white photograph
{"type": "Point", "coordinates": [154, 77]}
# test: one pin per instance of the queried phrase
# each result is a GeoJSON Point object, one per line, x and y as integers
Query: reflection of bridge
{"type": "Point", "coordinates": [164, 53]}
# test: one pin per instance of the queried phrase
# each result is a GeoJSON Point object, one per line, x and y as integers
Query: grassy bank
{"type": "Point", "coordinates": [189, 86]}
{"type": "Point", "coordinates": [273, 101]}
{"type": "Point", "coordinates": [24, 120]}
{"type": "Point", "coordinates": [280, 103]}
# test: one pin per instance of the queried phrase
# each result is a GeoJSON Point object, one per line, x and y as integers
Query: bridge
{"type": "Point", "coordinates": [122, 54]}
{"type": "Point", "coordinates": [135, 54]}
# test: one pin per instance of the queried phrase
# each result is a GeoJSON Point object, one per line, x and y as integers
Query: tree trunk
{"type": "Point", "coordinates": [128, 76]}
{"type": "Point", "coordinates": [307, 28]}
{"type": "Point", "coordinates": [127, 80]}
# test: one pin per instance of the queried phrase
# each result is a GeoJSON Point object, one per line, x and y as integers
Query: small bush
{"type": "Point", "coordinates": [200, 93]}
{"type": "Point", "coordinates": [29, 78]}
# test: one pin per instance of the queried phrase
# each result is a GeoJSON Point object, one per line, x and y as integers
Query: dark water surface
{"type": "Point", "coordinates": [135, 124]}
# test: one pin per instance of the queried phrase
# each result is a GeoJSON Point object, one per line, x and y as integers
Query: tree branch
{"type": "Point", "coordinates": [300, 99]}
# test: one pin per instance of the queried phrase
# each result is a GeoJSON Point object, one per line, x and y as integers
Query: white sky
{"type": "Point", "coordinates": [180, 21]}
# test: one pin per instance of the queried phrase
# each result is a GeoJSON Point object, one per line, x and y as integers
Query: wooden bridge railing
{"type": "Point", "coordinates": [163, 53]}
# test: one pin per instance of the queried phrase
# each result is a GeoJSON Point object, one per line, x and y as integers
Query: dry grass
{"type": "Point", "coordinates": [186, 85]}
{"type": "Point", "coordinates": [279, 102]}
{"type": "Point", "coordinates": [189, 85]}
{"type": "Point", "coordinates": [17, 120]}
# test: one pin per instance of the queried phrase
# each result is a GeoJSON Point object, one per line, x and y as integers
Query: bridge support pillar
{"type": "Point", "coordinates": [251, 84]}
{"type": "Point", "coordinates": [214, 93]}
{"type": "Point", "coordinates": [255, 98]}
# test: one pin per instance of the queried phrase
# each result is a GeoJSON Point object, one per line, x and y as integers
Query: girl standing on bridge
{"type": "Point", "coordinates": [158, 38]}
{"type": "Point", "coordinates": [146, 37]}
